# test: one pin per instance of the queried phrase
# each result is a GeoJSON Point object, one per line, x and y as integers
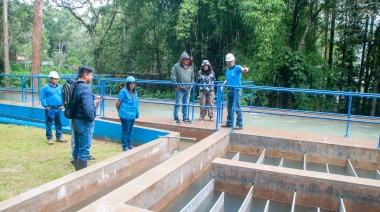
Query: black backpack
{"type": "Point", "coordinates": [68, 98]}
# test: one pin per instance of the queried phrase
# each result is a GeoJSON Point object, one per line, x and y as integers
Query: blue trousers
{"type": "Point", "coordinates": [126, 132]}
{"type": "Point", "coordinates": [184, 97]}
{"type": "Point", "coordinates": [83, 131]}
{"type": "Point", "coordinates": [234, 101]}
{"type": "Point", "coordinates": [57, 123]}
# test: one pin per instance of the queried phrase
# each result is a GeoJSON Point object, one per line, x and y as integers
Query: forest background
{"type": "Point", "coordinates": [312, 44]}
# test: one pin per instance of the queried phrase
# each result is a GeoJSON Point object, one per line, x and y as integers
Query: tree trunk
{"type": "Point", "coordinates": [369, 53]}
{"type": "Point", "coordinates": [37, 32]}
{"type": "Point", "coordinates": [331, 49]}
{"type": "Point", "coordinates": [6, 43]}
{"type": "Point", "coordinates": [294, 25]}
{"type": "Point", "coordinates": [309, 22]}
{"type": "Point", "coordinates": [364, 44]}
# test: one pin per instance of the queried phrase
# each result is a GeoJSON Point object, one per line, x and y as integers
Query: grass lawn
{"type": "Point", "coordinates": [27, 161]}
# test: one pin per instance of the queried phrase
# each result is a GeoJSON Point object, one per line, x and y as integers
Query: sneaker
{"type": "Point", "coordinates": [238, 128]}
{"type": "Point", "coordinates": [50, 142]}
{"type": "Point", "coordinates": [91, 158]}
{"type": "Point", "coordinates": [211, 119]}
{"type": "Point", "coordinates": [176, 121]}
{"type": "Point", "coordinates": [130, 147]}
{"type": "Point", "coordinates": [200, 118]}
{"type": "Point", "coordinates": [125, 149]}
{"type": "Point", "coordinates": [187, 121]}
{"type": "Point", "coordinates": [61, 140]}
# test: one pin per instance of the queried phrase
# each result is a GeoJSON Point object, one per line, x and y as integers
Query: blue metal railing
{"type": "Point", "coordinates": [102, 83]}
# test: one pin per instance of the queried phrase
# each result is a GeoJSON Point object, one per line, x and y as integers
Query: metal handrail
{"type": "Point", "coordinates": [105, 81]}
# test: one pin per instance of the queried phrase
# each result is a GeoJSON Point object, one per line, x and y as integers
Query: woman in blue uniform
{"type": "Point", "coordinates": [127, 105]}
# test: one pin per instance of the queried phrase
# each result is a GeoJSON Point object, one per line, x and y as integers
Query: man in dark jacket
{"type": "Point", "coordinates": [83, 123]}
{"type": "Point", "coordinates": [182, 72]}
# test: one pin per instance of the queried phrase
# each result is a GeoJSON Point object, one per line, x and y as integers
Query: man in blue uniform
{"type": "Point", "coordinates": [233, 78]}
{"type": "Point", "coordinates": [51, 100]}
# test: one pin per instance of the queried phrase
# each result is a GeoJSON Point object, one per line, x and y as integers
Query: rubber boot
{"type": "Point", "coordinates": [76, 162]}
{"type": "Point", "coordinates": [81, 164]}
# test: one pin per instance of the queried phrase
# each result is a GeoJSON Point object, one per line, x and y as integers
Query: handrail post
{"type": "Point", "coordinates": [232, 109]}
{"type": "Point", "coordinates": [32, 82]}
{"type": "Point", "coordinates": [23, 89]}
{"type": "Point", "coordinates": [218, 96]}
{"type": "Point", "coordinates": [38, 88]}
{"type": "Point", "coordinates": [102, 92]}
{"type": "Point", "coordinates": [193, 94]}
{"type": "Point", "coordinates": [348, 115]}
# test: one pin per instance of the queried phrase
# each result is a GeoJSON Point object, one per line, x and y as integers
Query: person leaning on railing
{"type": "Point", "coordinates": [233, 78]}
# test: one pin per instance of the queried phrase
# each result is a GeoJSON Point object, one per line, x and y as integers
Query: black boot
{"type": "Point", "coordinates": [81, 164]}
{"type": "Point", "coordinates": [76, 163]}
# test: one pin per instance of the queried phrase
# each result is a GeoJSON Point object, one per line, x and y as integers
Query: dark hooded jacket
{"type": "Point", "coordinates": [181, 75]}
{"type": "Point", "coordinates": [85, 101]}
{"type": "Point", "coordinates": [207, 78]}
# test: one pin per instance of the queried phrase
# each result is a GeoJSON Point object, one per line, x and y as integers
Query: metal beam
{"type": "Point", "coordinates": [219, 205]}
{"type": "Point", "coordinates": [262, 157]}
{"type": "Point", "coordinates": [341, 206]}
{"type": "Point", "coordinates": [294, 201]}
{"type": "Point", "coordinates": [236, 157]}
{"type": "Point", "coordinates": [304, 161]}
{"type": "Point", "coordinates": [350, 168]}
{"type": "Point", "coordinates": [247, 201]}
{"type": "Point", "coordinates": [281, 163]}
{"type": "Point", "coordinates": [266, 209]}
{"type": "Point", "coordinates": [200, 197]}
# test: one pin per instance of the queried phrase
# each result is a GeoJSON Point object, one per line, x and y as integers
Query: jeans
{"type": "Point", "coordinates": [206, 99]}
{"type": "Point", "coordinates": [237, 107]}
{"type": "Point", "coordinates": [126, 132]}
{"type": "Point", "coordinates": [57, 123]}
{"type": "Point", "coordinates": [83, 131]}
{"type": "Point", "coordinates": [184, 97]}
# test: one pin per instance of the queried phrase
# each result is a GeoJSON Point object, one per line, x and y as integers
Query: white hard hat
{"type": "Point", "coordinates": [53, 74]}
{"type": "Point", "coordinates": [230, 57]}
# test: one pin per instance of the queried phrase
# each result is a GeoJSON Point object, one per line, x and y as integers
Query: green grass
{"type": "Point", "coordinates": [27, 161]}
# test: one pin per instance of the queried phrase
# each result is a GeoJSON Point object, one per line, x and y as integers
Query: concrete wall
{"type": "Point", "coordinates": [91, 182]}
{"type": "Point", "coordinates": [313, 188]}
{"type": "Point", "coordinates": [316, 151]}
{"type": "Point", "coordinates": [160, 185]}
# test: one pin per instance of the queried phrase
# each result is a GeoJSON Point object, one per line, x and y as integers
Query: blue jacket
{"type": "Point", "coordinates": [51, 95]}
{"type": "Point", "coordinates": [129, 107]}
{"type": "Point", "coordinates": [85, 102]}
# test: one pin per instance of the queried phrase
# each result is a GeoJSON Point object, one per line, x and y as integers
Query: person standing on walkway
{"type": "Point", "coordinates": [182, 72]}
{"type": "Point", "coordinates": [206, 77]}
{"type": "Point", "coordinates": [233, 78]}
{"type": "Point", "coordinates": [127, 105]}
{"type": "Point", "coordinates": [51, 100]}
{"type": "Point", "coordinates": [83, 122]}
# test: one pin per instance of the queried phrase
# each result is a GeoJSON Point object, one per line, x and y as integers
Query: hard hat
{"type": "Point", "coordinates": [230, 57]}
{"type": "Point", "coordinates": [53, 74]}
{"type": "Point", "coordinates": [130, 79]}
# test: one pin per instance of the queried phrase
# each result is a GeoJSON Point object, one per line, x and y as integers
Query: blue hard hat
{"type": "Point", "coordinates": [130, 79]}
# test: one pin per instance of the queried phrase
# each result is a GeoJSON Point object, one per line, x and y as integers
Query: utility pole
{"type": "Point", "coordinates": [6, 42]}
{"type": "Point", "coordinates": [37, 33]}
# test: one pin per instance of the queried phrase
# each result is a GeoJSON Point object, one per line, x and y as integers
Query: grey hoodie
{"type": "Point", "coordinates": [182, 75]}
